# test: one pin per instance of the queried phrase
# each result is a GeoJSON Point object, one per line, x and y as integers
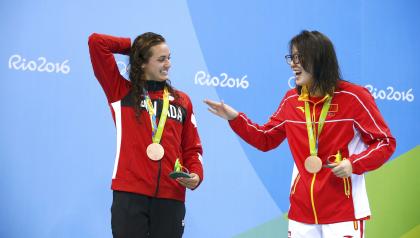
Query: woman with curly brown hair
{"type": "Point", "coordinates": [156, 129]}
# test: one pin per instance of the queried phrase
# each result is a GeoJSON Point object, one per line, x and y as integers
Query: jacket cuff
{"type": "Point", "coordinates": [236, 121]}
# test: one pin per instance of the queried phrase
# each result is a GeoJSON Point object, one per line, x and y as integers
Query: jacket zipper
{"type": "Point", "coordinates": [314, 176]}
{"type": "Point", "coordinates": [312, 198]}
{"type": "Point", "coordinates": [158, 177]}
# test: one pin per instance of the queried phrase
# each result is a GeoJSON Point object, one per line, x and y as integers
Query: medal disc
{"type": "Point", "coordinates": [155, 151]}
{"type": "Point", "coordinates": [313, 164]}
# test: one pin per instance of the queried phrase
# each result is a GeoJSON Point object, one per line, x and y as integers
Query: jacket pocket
{"type": "Point", "coordinates": [295, 183]}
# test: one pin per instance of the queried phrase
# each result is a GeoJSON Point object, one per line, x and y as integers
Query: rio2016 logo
{"type": "Point", "coordinates": [204, 79]}
{"type": "Point", "coordinates": [17, 62]}
{"type": "Point", "coordinates": [391, 94]}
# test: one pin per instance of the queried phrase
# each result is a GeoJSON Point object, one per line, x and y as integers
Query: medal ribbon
{"type": "Point", "coordinates": [157, 131]}
{"type": "Point", "coordinates": [313, 142]}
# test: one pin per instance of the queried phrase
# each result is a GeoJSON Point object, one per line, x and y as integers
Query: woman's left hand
{"type": "Point", "coordinates": [191, 182]}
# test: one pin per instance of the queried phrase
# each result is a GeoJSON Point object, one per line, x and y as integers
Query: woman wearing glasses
{"type": "Point", "coordinates": [335, 133]}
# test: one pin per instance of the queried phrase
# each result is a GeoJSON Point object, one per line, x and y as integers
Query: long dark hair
{"type": "Point", "coordinates": [140, 54]}
{"type": "Point", "coordinates": [317, 56]}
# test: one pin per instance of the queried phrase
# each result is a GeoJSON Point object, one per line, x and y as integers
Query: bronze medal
{"type": "Point", "coordinates": [313, 164]}
{"type": "Point", "coordinates": [155, 151]}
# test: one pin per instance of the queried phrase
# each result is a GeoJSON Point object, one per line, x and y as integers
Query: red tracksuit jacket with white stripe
{"type": "Point", "coordinates": [133, 170]}
{"type": "Point", "coordinates": [354, 126]}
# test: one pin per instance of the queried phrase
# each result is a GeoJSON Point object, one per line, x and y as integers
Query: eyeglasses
{"type": "Point", "coordinates": [296, 58]}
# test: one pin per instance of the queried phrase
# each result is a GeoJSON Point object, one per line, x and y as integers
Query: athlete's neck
{"type": "Point", "coordinates": [155, 85]}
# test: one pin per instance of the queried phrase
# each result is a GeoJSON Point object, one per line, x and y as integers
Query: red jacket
{"type": "Point", "coordinates": [353, 125]}
{"type": "Point", "coordinates": [133, 170]}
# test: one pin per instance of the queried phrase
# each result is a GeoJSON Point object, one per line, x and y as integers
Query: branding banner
{"type": "Point", "coordinates": [57, 136]}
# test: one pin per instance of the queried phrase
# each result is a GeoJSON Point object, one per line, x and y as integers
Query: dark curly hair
{"type": "Point", "coordinates": [140, 54]}
{"type": "Point", "coordinates": [319, 59]}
